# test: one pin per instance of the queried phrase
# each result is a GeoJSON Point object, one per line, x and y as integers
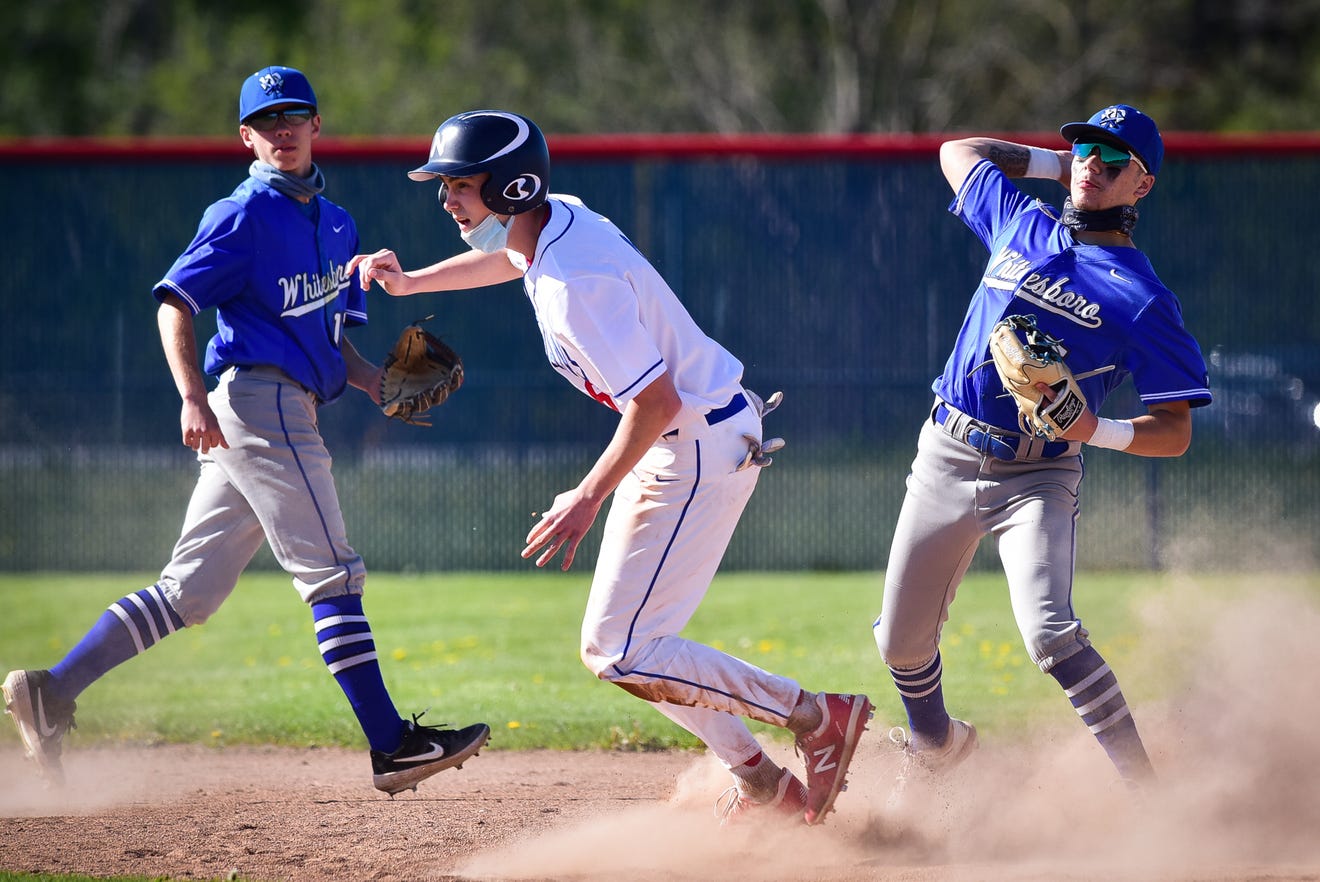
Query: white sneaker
{"type": "Point", "coordinates": [930, 763]}
{"type": "Point", "coordinates": [42, 720]}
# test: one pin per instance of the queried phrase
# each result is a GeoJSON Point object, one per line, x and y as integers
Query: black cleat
{"type": "Point", "coordinates": [425, 751]}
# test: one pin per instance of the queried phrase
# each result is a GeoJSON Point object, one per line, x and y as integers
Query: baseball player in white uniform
{"type": "Point", "coordinates": [681, 466]}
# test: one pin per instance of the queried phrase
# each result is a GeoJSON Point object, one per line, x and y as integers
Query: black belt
{"type": "Point", "coordinates": [720, 414]}
{"type": "Point", "coordinates": [993, 441]}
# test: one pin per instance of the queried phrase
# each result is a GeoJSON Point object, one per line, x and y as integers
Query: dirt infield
{"type": "Point", "coordinates": [281, 814]}
{"type": "Point", "coordinates": [1234, 740]}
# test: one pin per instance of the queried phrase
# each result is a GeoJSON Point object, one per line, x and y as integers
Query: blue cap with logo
{"type": "Point", "coordinates": [271, 86]}
{"type": "Point", "coordinates": [1125, 126]}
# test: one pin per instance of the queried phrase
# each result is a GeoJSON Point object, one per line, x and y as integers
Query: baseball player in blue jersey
{"type": "Point", "coordinates": [679, 469]}
{"type": "Point", "coordinates": [272, 259]}
{"type": "Point", "coordinates": [1079, 274]}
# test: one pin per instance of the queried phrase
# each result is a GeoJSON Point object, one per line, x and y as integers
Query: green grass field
{"type": "Point", "coordinates": [503, 649]}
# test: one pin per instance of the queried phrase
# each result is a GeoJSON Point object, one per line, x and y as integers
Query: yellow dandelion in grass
{"type": "Point", "coordinates": [717, 644]}
{"type": "Point", "coordinates": [766, 646]}
{"type": "Point", "coordinates": [274, 630]}
{"type": "Point", "coordinates": [284, 661]}
{"type": "Point", "coordinates": [468, 642]}
{"type": "Point", "coordinates": [538, 678]}
{"type": "Point", "coordinates": [216, 733]}
{"type": "Point", "coordinates": [55, 643]}
{"type": "Point", "coordinates": [514, 724]}
{"type": "Point", "coordinates": [249, 661]}
{"type": "Point", "coordinates": [399, 654]}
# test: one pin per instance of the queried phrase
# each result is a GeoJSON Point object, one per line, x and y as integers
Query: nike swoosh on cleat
{"type": "Point", "coordinates": [436, 752]}
{"type": "Point", "coordinates": [43, 727]}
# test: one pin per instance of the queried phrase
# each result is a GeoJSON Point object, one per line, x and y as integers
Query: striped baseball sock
{"type": "Point", "coordinates": [129, 626]}
{"type": "Point", "coordinates": [343, 637]}
{"type": "Point", "coordinates": [1094, 692]}
{"type": "Point", "coordinates": [923, 698]}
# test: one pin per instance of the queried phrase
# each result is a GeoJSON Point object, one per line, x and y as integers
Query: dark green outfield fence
{"type": "Point", "coordinates": [829, 266]}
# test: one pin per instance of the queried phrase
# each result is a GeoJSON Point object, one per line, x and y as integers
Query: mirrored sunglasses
{"type": "Point", "coordinates": [267, 122]}
{"type": "Point", "coordinates": [1114, 157]}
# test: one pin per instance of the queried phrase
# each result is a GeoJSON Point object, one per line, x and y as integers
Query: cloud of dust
{"type": "Point", "coordinates": [98, 779]}
{"type": "Point", "coordinates": [1236, 743]}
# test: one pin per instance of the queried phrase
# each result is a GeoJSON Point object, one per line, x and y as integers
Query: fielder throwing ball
{"type": "Point", "coordinates": [272, 260]}
{"type": "Point", "coordinates": [681, 466]}
{"type": "Point", "coordinates": [1074, 283]}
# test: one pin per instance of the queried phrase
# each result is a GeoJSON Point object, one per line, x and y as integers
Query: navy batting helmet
{"type": "Point", "coordinates": [507, 145]}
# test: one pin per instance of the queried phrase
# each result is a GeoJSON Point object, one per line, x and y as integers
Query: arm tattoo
{"type": "Point", "coordinates": [1012, 159]}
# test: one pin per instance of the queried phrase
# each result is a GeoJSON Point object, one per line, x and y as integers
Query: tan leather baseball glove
{"type": "Point", "coordinates": [1023, 356]}
{"type": "Point", "coordinates": [420, 372]}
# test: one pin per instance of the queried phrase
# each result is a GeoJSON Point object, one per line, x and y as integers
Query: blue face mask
{"type": "Point", "coordinates": [489, 236]}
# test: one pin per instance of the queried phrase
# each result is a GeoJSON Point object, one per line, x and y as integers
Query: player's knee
{"type": "Point", "coordinates": [596, 662]}
{"type": "Point", "coordinates": [1047, 650]}
{"type": "Point", "coordinates": [898, 652]}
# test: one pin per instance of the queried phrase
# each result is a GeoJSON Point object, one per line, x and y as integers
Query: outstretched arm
{"type": "Point", "coordinates": [471, 269]}
{"type": "Point", "coordinates": [958, 158]}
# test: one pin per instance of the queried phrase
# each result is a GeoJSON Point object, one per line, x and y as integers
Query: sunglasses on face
{"type": "Point", "coordinates": [267, 122]}
{"type": "Point", "coordinates": [1114, 157]}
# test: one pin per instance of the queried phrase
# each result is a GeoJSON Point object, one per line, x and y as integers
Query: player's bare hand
{"type": "Point", "coordinates": [562, 527]}
{"type": "Point", "coordinates": [200, 428]}
{"type": "Point", "coordinates": [383, 268]}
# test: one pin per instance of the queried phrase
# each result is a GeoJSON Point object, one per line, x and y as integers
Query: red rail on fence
{"type": "Point", "coordinates": [1184, 145]}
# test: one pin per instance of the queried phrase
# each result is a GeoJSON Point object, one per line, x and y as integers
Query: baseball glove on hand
{"type": "Point", "coordinates": [1023, 356]}
{"type": "Point", "coordinates": [419, 373]}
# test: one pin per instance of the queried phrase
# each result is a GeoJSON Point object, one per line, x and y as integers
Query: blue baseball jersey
{"type": "Point", "coordinates": [1105, 304]}
{"type": "Point", "coordinates": [276, 272]}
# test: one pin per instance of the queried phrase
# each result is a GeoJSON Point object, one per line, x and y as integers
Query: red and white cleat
{"type": "Point", "coordinates": [828, 750]}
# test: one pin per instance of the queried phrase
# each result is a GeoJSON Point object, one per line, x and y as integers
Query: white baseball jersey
{"type": "Point", "coordinates": [622, 325]}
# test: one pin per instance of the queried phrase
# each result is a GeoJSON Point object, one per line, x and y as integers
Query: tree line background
{"type": "Point", "coordinates": [399, 67]}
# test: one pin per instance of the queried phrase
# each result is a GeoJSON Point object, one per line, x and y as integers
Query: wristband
{"type": "Point", "coordinates": [1042, 163]}
{"type": "Point", "coordinates": [1113, 434]}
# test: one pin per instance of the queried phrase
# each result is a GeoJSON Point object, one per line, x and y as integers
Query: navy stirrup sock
{"type": "Point", "coordinates": [344, 639]}
{"type": "Point", "coordinates": [922, 692]}
{"type": "Point", "coordinates": [1094, 692]}
{"type": "Point", "coordinates": [131, 625]}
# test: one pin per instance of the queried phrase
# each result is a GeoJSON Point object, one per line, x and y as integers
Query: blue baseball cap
{"type": "Point", "coordinates": [1125, 126]}
{"type": "Point", "coordinates": [274, 85]}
